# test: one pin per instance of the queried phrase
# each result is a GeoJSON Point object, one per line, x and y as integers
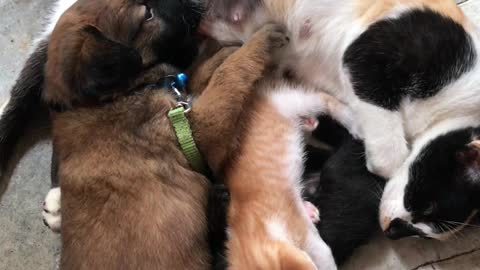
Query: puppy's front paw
{"type": "Point", "coordinates": [271, 37]}
{"type": "Point", "coordinates": [51, 210]}
{"type": "Point", "coordinates": [276, 34]}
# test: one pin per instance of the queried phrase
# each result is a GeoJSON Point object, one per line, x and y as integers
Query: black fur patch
{"type": "Point", "coordinates": [440, 187]}
{"type": "Point", "coordinates": [108, 68]}
{"type": "Point", "coordinates": [415, 55]}
{"type": "Point", "coordinates": [218, 201]}
{"type": "Point", "coordinates": [178, 46]}
{"type": "Point", "coordinates": [24, 101]}
{"type": "Point", "coordinates": [348, 198]}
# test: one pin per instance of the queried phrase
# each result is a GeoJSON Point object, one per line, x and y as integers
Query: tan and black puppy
{"type": "Point", "coordinates": [129, 197]}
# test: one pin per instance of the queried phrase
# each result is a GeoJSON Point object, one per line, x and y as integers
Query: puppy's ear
{"type": "Point", "coordinates": [292, 258]}
{"type": "Point", "coordinates": [105, 66]}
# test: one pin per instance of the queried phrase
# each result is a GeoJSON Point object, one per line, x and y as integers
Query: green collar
{"type": "Point", "coordinates": [185, 138]}
{"type": "Point", "coordinates": [181, 124]}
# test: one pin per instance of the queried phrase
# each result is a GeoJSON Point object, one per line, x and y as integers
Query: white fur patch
{"type": "Point", "coordinates": [277, 230]}
{"type": "Point", "coordinates": [319, 251]}
{"type": "Point", "coordinates": [2, 109]}
{"type": "Point", "coordinates": [59, 8]}
{"type": "Point", "coordinates": [51, 210]}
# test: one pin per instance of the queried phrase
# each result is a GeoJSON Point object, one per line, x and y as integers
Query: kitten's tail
{"type": "Point", "coordinates": [24, 100]}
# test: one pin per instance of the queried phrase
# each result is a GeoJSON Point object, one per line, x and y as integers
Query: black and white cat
{"type": "Point", "coordinates": [409, 70]}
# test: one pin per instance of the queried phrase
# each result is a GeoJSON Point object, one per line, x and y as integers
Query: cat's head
{"type": "Point", "coordinates": [436, 193]}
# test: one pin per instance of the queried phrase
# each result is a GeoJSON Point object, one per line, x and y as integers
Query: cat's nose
{"type": "Point", "coordinates": [400, 229]}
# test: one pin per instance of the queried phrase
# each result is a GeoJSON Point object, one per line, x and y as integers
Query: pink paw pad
{"type": "Point", "coordinates": [312, 212]}
{"type": "Point", "coordinates": [309, 123]}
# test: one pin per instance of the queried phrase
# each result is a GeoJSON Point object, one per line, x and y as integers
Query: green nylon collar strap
{"type": "Point", "coordinates": [185, 139]}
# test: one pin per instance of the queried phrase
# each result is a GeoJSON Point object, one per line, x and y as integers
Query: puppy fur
{"type": "Point", "coordinates": [129, 198]}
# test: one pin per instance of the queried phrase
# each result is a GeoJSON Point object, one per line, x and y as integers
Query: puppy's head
{"type": "Point", "coordinates": [435, 193]}
{"type": "Point", "coordinates": [99, 47]}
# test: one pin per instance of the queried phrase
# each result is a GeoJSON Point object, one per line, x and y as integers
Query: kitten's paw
{"type": "Point", "coordinates": [309, 124]}
{"type": "Point", "coordinates": [51, 210]}
{"type": "Point", "coordinates": [312, 211]}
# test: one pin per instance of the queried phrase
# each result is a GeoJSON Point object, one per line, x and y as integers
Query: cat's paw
{"type": "Point", "coordinates": [312, 212]}
{"type": "Point", "coordinates": [51, 210]}
{"type": "Point", "coordinates": [385, 161]}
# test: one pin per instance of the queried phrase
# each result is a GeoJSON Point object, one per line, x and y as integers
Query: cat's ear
{"type": "Point", "coordinates": [470, 154]}
{"type": "Point", "coordinates": [292, 258]}
{"type": "Point", "coordinates": [232, 11]}
{"type": "Point", "coordinates": [469, 159]}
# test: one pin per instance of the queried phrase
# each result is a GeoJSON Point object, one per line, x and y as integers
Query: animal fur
{"type": "Point", "coordinates": [392, 62]}
{"type": "Point", "coordinates": [129, 198]}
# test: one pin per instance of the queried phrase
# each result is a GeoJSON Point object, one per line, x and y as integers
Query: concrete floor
{"type": "Point", "coordinates": [25, 244]}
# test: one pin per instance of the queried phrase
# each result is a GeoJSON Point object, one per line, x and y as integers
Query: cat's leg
{"type": "Point", "coordinates": [319, 251]}
{"type": "Point", "coordinates": [216, 114]}
{"type": "Point", "coordinates": [301, 105]}
{"type": "Point", "coordinates": [384, 137]}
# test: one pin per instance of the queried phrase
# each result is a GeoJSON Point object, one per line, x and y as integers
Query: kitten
{"type": "Point", "coordinates": [269, 226]}
{"type": "Point", "coordinates": [346, 193]}
{"type": "Point", "coordinates": [409, 70]}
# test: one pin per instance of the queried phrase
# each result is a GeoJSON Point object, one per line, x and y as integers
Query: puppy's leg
{"type": "Point", "coordinates": [203, 73]}
{"type": "Point", "coordinates": [51, 210]}
{"type": "Point", "coordinates": [217, 112]}
{"type": "Point", "coordinates": [218, 201]}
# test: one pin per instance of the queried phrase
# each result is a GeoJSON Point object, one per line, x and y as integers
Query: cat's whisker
{"type": "Point", "coordinates": [461, 224]}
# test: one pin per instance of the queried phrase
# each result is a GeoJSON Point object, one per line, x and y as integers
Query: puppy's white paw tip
{"type": "Point", "coordinates": [51, 210]}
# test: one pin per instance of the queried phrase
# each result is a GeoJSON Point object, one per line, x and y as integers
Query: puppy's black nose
{"type": "Point", "coordinates": [400, 229]}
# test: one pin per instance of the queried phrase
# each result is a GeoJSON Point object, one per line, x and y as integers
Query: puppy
{"type": "Point", "coordinates": [130, 200]}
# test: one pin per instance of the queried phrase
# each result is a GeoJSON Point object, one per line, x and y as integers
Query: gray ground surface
{"type": "Point", "coordinates": [25, 244]}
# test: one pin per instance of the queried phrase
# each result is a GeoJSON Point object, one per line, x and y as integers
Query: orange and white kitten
{"type": "Point", "coordinates": [269, 225]}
